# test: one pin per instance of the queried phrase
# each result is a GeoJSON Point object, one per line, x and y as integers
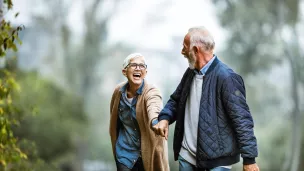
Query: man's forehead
{"type": "Point", "coordinates": [187, 39]}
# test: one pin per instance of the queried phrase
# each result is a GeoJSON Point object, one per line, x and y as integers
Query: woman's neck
{"type": "Point", "coordinates": [131, 90]}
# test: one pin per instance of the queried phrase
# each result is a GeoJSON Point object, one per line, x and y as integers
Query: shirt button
{"type": "Point", "coordinates": [134, 161]}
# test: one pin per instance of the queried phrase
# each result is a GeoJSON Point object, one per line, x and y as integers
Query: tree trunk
{"type": "Point", "coordinates": [297, 118]}
{"type": "Point", "coordinates": [293, 157]}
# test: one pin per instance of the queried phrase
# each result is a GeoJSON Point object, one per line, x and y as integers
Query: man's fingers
{"type": "Point", "coordinates": [154, 128]}
{"type": "Point", "coordinates": [162, 132]}
{"type": "Point", "coordinates": [166, 134]}
{"type": "Point", "coordinates": [252, 167]}
{"type": "Point", "coordinates": [161, 129]}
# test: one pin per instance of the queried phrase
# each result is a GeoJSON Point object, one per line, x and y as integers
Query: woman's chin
{"type": "Point", "coordinates": [136, 81]}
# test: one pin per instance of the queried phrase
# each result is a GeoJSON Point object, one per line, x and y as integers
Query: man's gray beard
{"type": "Point", "coordinates": [191, 66]}
{"type": "Point", "coordinates": [191, 62]}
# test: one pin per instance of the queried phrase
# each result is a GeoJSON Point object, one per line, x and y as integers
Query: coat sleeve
{"type": "Point", "coordinates": [234, 101]}
{"type": "Point", "coordinates": [154, 103]}
{"type": "Point", "coordinates": [114, 95]}
{"type": "Point", "coordinates": [170, 109]}
{"type": "Point", "coordinates": [112, 102]}
{"type": "Point", "coordinates": [111, 107]}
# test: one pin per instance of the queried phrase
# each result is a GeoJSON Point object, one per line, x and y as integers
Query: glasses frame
{"type": "Point", "coordinates": [137, 65]}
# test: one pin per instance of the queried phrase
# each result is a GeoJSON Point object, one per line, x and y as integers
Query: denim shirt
{"type": "Point", "coordinates": [128, 141]}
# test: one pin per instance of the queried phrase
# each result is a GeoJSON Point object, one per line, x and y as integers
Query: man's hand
{"type": "Point", "coordinates": [251, 167]}
{"type": "Point", "coordinates": [162, 128]}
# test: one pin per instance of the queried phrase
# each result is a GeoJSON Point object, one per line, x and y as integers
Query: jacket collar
{"type": "Point", "coordinates": [125, 86]}
{"type": "Point", "coordinates": [213, 65]}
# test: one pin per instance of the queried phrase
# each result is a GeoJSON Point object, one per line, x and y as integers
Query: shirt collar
{"type": "Point", "coordinates": [206, 67]}
{"type": "Point", "coordinates": [123, 89]}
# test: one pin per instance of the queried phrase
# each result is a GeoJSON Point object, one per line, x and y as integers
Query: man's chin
{"type": "Point", "coordinates": [191, 66]}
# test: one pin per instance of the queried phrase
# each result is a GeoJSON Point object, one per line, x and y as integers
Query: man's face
{"type": "Point", "coordinates": [188, 53]}
{"type": "Point", "coordinates": [186, 46]}
{"type": "Point", "coordinates": [135, 71]}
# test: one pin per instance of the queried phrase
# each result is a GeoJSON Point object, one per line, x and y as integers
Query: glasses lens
{"type": "Point", "coordinates": [133, 66]}
{"type": "Point", "coordinates": [140, 66]}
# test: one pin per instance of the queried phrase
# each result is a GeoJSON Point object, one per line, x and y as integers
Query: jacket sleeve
{"type": "Point", "coordinates": [170, 109]}
{"type": "Point", "coordinates": [112, 102]}
{"type": "Point", "coordinates": [154, 103]}
{"type": "Point", "coordinates": [111, 107]}
{"type": "Point", "coordinates": [234, 101]}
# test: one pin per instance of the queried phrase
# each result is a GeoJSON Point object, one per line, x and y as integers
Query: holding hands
{"type": "Point", "coordinates": [162, 128]}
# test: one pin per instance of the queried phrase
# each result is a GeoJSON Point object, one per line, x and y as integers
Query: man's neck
{"type": "Point", "coordinates": [204, 60]}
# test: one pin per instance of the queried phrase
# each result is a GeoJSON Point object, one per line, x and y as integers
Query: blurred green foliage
{"type": "Point", "coordinates": [9, 150]}
{"type": "Point", "coordinates": [54, 118]}
{"type": "Point", "coordinates": [42, 125]}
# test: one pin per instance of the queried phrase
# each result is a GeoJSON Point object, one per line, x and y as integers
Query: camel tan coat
{"type": "Point", "coordinates": [154, 149]}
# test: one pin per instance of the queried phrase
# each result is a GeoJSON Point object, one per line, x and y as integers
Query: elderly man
{"type": "Point", "coordinates": [213, 122]}
{"type": "Point", "coordinates": [134, 109]}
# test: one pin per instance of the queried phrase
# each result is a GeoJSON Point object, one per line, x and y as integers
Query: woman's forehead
{"type": "Point", "coordinates": [138, 59]}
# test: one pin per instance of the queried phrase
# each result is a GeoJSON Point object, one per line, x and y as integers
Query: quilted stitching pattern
{"type": "Point", "coordinates": [225, 123]}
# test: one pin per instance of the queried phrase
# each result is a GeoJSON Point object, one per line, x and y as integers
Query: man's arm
{"type": "Point", "coordinates": [168, 114]}
{"type": "Point", "coordinates": [169, 111]}
{"type": "Point", "coordinates": [234, 100]}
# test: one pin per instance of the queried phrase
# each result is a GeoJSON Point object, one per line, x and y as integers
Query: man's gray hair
{"type": "Point", "coordinates": [130, 57]}
{"type": "Point", "coordinates": [201, 37]}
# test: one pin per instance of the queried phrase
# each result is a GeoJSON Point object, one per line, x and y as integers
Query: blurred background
{"type": "Point", "coordinates": [61, 60]}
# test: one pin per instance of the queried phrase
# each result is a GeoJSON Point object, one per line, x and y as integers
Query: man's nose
{"type": "Point", "coordinates": [183, 52]}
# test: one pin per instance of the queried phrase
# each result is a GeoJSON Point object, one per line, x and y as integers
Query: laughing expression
{"type": "Point", "coordinates": [135, 75]}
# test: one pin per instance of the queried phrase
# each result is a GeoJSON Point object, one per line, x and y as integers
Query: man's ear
{"type": "Point", "coordinates": [195, 49]}
{"type": "Point", "coordinates": [124, 72]}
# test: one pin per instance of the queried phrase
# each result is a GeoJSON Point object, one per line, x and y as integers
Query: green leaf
{"type": "Point", "coordinates": [14, 47]}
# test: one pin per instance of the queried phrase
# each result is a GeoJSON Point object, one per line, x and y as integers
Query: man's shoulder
{"type": "Point", "coordinates": [224, 71]}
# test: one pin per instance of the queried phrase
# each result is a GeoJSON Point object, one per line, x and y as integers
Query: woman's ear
{"type": "Point", "coordinates": [124, 72]}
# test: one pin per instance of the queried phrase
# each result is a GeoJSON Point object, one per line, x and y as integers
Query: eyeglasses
{"type": "Point", "coordinates": [134, 66]}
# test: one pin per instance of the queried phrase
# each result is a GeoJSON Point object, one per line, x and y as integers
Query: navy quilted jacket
{"type": "Point", "coordinates": [225, 124]}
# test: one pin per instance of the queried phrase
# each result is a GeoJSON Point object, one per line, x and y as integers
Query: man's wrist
{"type": "Point", "coordinates": [247, 161]}
{"type": "Point", "coordinates": [163, 117]}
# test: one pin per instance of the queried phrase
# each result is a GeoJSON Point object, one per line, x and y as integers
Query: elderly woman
{"type": "Point", "coordinates": [135, 106]}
